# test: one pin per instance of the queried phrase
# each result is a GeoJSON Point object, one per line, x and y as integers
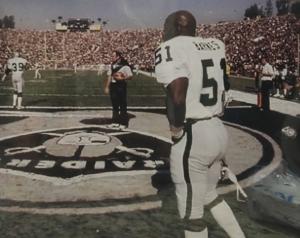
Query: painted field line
{"type": "Point", "coordinates": [101, 108]}
{"type": "Point", "coordinates": [263, 172]}
{"type": "Point", "coordinates": [47, 114]}
{"type": "Point", "coordinates": [279, 105]}
{"type": "Point", "coordinates": [77, 95]}
{"type": "Point", "coordinates": [81, 107]}
{"type": "Point", "coordinates": [143, 206]}
{"type": "Point", "coordinates": [242, 106]}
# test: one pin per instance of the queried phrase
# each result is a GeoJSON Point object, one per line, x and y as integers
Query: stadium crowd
{"type": "Point", "coordinates": [246, 41]}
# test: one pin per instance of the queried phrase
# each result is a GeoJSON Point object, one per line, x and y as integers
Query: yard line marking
{"type": "Point", "coordinates": [111, 134]}
{"type": "Point", "coordinates": [46, 114]}
{"type": "Point", "coordinates": [242, 106]}
{"type": "Point", "coordinates": [78, 95]}
{"type": "Point", "coordinates": [141, 206]}
{"type": "Point", "coordinates": [78, 108]}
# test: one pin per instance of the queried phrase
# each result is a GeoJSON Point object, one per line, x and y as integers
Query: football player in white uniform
{"type": "Point", "coordinates": [16, 66]}
{"type": "Point", "coordinates": [37, 74]}
{"type": "Point", "coordinates": [192, 70]}
{"type": "Point", "coordinates": [75, 65]}
{"type": "Point", "coordinates": [101, 69]}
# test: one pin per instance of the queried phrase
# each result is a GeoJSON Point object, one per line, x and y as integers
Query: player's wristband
{"type": "Point", "coordinates": [7, 71]}
{"type": "Point", "coordinates": [176, 133]}
{"type": "Point", "coordinates": [223, 169]}
{"type": "Point", "coordinates": [3, 78]}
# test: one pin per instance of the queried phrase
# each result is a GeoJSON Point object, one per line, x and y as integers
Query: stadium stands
{"type": "Point", "coordinates": [245, 41]}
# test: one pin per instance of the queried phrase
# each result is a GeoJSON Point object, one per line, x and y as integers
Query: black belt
{"type": "Point", "coordinates": [193, 121]}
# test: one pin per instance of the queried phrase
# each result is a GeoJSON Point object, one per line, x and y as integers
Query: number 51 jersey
{"type": "Point", "coordinates": [202, 62]}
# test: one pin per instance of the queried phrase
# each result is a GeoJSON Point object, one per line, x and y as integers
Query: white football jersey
{"type": "Point", "coordinates": [199, 60]}
{"type": "Point", "coordinates": [17, 65]}
{"type": "Point", "coordinates": [267, 69]}
{"type": "Point", "coordinates": [126, 70]}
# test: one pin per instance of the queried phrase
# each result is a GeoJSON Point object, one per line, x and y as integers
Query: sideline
{"type": "Point", "coordinates": [279, 105]}
{"type": "Point", "coordinates": [142, 206]}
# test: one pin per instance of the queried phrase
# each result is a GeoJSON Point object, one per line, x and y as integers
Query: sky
{"type": "Point", "coordinates": [121, 14]}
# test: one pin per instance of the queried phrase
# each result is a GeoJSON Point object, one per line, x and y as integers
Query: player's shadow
{"type": "Point", "coordinates": [168, 214]}
{"type": "Point", "coordinates": [103, 121]}
{"type": "Point", "coordinates": [37, 102]}
{"type": "Point", "coordinates": [7, 120]}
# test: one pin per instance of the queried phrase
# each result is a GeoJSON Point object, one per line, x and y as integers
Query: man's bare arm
{"type": "Point", "coordinates": [176, 105]}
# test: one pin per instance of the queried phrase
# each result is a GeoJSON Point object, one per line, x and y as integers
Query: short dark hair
{"type": "Point", "coordinates": [118, 53]}
{"type": "Point", "coordinates": [179, 23]}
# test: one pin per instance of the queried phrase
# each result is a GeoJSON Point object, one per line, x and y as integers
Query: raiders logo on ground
{"type": "Point", "coordinates": [67, 153]}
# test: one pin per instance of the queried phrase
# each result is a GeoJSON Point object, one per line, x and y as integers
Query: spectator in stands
{"type": "Point", "coordinates": [245, 42]}
{"type": "Point", "coordinates": [290, 84]}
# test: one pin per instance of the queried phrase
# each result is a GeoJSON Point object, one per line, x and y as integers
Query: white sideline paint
{"type": "Point", "coordinates": [279, 105]}
{"type": "Point", "coordinates": [142, 206]}
{"type": "Point", "coordinates": [80, 108]}
{"type": "Point", "coordinates": [77, 95]}
{"type": "Point", "coordinates": [263, 172]}
{"type": "Point", "coordinates": [46, 114]}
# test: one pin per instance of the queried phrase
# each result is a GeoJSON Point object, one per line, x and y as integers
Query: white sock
{"type": "Point", "coordinates": [192, 234]}
{"type": "Point", "coordinates": [20, 101]}
{"type": "Point", "coordinates": [226, 219]}
{"type": "Point", "coordinates": [15, 96]}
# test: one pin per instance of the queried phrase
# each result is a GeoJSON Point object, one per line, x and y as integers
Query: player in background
{"type": "Point", "coordinates": [267, 75]}
{"type": "Point", "coordinates": [6, 73]}
{"type": "Point", "coordinates": [101, 69]}
{"type": "Point", "coordinates": [137, 69]}
{"type": "Point", "coordinates": [37, 74]}
{"type": "Point", "coordinates": [75, 65]}
{"type": "Point", "coordinates": [284, 73]}
{"type": "Point", "coordinates": [257, 77]}
{"type": "Point", "coordinates": [192, 71]}
{"type": "Point", "coordinates": [16, 66]}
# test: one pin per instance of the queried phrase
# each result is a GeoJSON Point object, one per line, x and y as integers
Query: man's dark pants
{"type": "Point", "coordinates": [118, 96]}
{"type": "Point", "coordinates": [266, 87]}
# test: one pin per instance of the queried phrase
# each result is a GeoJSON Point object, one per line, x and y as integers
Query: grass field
{"type": "Point", "coordinates": [162, 223]}
{"type": "Point", "coordinates": [58, 88]}
{"type": "Point", "coordinates": [85, 88]}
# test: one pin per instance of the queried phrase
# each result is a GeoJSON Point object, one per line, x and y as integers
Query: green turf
{"type": "Point", "coordinates": [85, 88]}
{"type": "Point", "coordinates": [158, 223]}
{"type": "Point", "coordinates": [64, 88]}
